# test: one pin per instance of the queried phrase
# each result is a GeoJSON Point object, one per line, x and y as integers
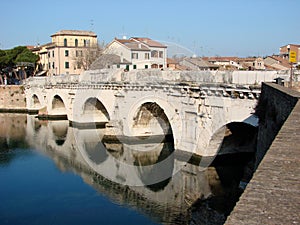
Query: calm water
{"type": "Point", "coordinates": [52, 173]}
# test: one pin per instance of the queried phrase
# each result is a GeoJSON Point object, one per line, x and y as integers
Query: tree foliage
{"type": "Point", "coordinates": [11, 57]}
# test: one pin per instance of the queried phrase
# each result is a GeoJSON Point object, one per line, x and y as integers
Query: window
{"type": "Point", "coordinates": [134, 55]}
{"type": "Point", "coordinates": [146, 66]}
{"type": "Point", "coordinates": [147, 55]}
{"type": "Point", "coordinates": [86, 43]}
{"type": "Point", "coordinates": [76, 42]}
{"type": "Point", "coordinates": [134, 67]}
{"type": "Point", "coordinates": [49, 65]}
{"type": "Point", "coordinates": [118, 66]}
{"type": "Point", "coordinates": [154, 54]}
{"type": "Point", "coordinates": [53, 54]}
{"type": "Point", "coordinates": [161, 54]}
{"type": "Point", "coordinates": [48, 54]}
{"type": "Point", "coordinates": [66, 53]}
{"type": "Point", "coordinates": [65, 42]}
{"type": "Point", "coordinates": [67, 65]}
{"type": "Point", "coordinates": [53, 65]}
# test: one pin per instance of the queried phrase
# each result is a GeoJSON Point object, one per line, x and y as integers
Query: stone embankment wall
{"type": "Point", "coordinates": [12, 98]}
{"type": "Point", "coordinates": [272, 196]}
{"type": "Point", "coordinates": [274, 107]}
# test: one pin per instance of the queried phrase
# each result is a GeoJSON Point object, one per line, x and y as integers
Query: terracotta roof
{"type": "Point", "coordinates": [199, 62]}
{"type": "Point", "coordinates": [75, 33]}
{"type": "Point", "coordinates": [172, 61]}
{"type": "Point", "coordinates": [149, 42]}
{"type": "Point", "coordinates": [106, 60]}
{"type": "Point", "coordinates": [296, 45]}
{"type": "Point", "coordinates": [133, 45]}
{"type": "Point", "coordinates": [221, 58]}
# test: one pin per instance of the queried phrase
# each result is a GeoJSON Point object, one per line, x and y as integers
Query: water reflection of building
{"type": "Point", "coordinates": [109, 166]}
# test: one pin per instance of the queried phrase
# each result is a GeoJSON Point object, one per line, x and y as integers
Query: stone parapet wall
{"type": "Point", "coordinates": [12, 98]}
{"type": "Point", "coordinates": [274, 107]}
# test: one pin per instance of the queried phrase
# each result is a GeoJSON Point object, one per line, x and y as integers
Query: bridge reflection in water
{"type": "Point", "coordinates": [139, 173]}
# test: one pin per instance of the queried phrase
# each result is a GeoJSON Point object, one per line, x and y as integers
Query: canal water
{"type": "Point", "coordinates": [53, 173]}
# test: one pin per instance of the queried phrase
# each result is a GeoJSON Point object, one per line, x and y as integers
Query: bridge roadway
{"type": "Point", "coordinates": [195, 112]}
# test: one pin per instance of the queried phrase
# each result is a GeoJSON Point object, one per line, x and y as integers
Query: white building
{"type": "Point", "coordinates": [139, 53]}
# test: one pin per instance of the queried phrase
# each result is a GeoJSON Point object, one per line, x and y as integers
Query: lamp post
{"type": "Point", "coordinates": [291, 72]}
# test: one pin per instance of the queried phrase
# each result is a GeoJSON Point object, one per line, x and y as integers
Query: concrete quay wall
{"type": "Point", "coordinates": [273, 194]}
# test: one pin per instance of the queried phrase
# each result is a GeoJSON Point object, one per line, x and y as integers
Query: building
{"type": "Point", "coordinates": [138, 53]}
{"type": "Point", "coordinates": [197, 63]}
{"type": "Point", "coordinates": [224, 63]}
{"type": "Point", "coordinates": [276, 63]}
{"type": "Point", "coordinates": [69, 52]}
{"type": "Point", "coordinates": [251, 63]}
{"type": "Point", "coordinates": [284, 51]}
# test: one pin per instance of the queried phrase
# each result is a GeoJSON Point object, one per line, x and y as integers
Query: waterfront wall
{"type": "Point", "coordinates": [272, 196]}
{"type": "Point", "coordinates": [12, 98]}
{"type": "Point", "coordinates": [274, 107]}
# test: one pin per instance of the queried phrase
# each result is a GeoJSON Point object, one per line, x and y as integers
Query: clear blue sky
{"type": "Point", "coordinates": [207, 28]}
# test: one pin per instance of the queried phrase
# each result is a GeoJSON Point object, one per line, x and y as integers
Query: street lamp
{"type": "Point", "coordinates": [289, 58]}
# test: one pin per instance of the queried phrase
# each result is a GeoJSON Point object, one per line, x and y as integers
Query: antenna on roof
{"type": "Point", "coordinates": [92, 24]}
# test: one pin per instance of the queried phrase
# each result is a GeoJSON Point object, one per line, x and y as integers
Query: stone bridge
{"type": "Point", "coordinates": [193, 107]}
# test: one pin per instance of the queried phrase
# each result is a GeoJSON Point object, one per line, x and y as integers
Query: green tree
{"type": "Point", "coordinates": [27, 56]}
{"type": "Point", "coordinates": [10, 57]}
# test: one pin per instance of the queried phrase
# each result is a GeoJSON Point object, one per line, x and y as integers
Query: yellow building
{"type": "Point", "coordinates": [70, 52]}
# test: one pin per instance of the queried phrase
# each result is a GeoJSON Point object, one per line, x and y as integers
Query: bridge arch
{"type": "Point", "coordinates": [95, 109]}
{"type": "Point", "coordinates": [233, 137]}
{"type": "Point", "coordinates": [35, 102]}
{"type": "Point", "coordinates": [163, 112]}
{"type": "Point", "coordinates": [58, 107]}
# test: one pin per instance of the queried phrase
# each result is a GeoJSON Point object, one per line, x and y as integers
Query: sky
{"type": "Point", "coordinates": [202, 27]}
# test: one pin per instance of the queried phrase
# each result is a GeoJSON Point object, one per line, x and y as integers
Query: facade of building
{"type": "Point", "coordinates": [252, 63]}
{"type": "Point", "coordinates": [276, 63]}
{"type": "Point", "coordinates": [224, 63]}
{"type": "Point", "coordinates": [68, 53]}
{"type": "Point", "coordinates": [138, 53]}
{"type": "Point", "coordinates": [285, 50]}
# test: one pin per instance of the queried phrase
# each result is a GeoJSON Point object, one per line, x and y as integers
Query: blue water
{"type": "Point", "coordinates": [34, 191]}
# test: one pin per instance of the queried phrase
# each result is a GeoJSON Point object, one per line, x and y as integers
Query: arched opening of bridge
{"type": "Point", "coordinates": [36, 102]}
{"type": "Point", "coordinates": [153, 156]}
{"type": "Point", "coordinates": [58, 108]}
{"type": "Point", "coordinates": [239, 137]}
{"type": "Point", "coordinates": [151, 120]}
{"type": "Point", "coordinates": [237, 151]}
{"type": "Point", "coordinates": [95, 112]}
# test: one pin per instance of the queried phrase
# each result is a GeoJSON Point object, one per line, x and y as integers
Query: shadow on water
{"type": "Point", "coordinates": [193, 195]}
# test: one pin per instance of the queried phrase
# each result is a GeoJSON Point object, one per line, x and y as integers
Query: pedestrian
{"type": "Point", "coordinates": [5, 79]}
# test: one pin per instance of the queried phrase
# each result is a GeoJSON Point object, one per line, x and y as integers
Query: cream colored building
{"type": "Point", "coordinates": [138, 53]}
{"type": "Point", "coordinates": [68, 53]}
